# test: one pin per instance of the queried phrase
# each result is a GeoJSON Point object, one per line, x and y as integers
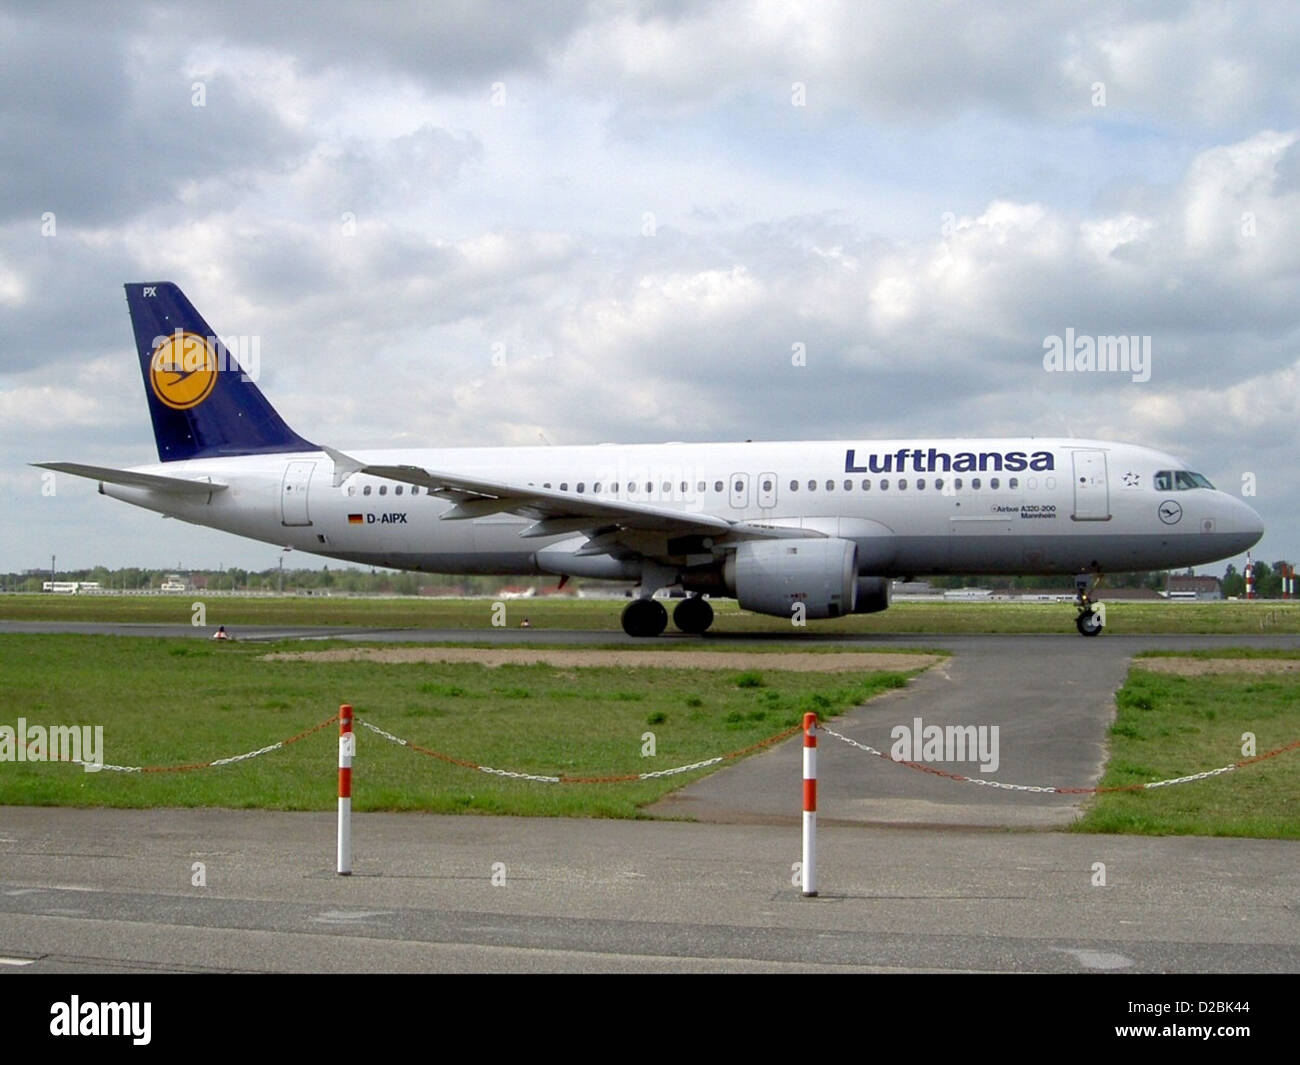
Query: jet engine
{"type": "Point", "coordinates": [771, 576]}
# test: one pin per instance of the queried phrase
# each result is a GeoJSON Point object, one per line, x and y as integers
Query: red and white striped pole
{"type": "Point", "coordinates": [347, 748]}
{"type": "Point", "coordinates": [1250, 577]}
{"type": "Point", "coordinates": [809, 867]}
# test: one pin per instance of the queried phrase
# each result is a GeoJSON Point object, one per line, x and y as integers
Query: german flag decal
{"type": "Point", "coordinates": [354, 519]}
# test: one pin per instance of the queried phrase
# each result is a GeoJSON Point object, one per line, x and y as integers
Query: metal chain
{"type": "Point", "coordinates": [1035, 788]}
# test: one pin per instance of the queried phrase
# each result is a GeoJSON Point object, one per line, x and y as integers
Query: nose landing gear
{"type": "Point", "coordinates": [1092, 615]}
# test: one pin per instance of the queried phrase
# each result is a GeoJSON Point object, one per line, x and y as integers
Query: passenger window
{"type": "Point", "coordinates": [668, 488]}
{"type": "Point", "coordinates": [564, 486]}
{"type": "Point", "coordinates": [596, 488]}
{"type": "Point", "coordinates": [1013, 483]}
{"type": "Point", "coordinates": [767, 486]}
{"type": "Point", "coordinates": [938, 483]}
{"type": "Point", "coordinates": [884, 484]}
{"type": "Point", "coordinates": [848, 485]}
{"type": "Point", "coordinates": [794, 486]}
{"type": "Point", "coordinates": [993, 483]}
{"type": "Point", "coordinates": [352, 489]}
{"type": "Point", "coordinates": [701, 486]}
{"type": "Point", "coordinates": [631, 487]}
{"type": "Point", "coordinates": [812, 486]}
{"type": "Point", "coordinates": [685, 488]}
{"type": "Point", "coordinates": [398, 490]}
{"type": "Point", "coordinates": [739, 486]}
{"type": "Point", "coordinates": [717, 486]}
{"type": "Point", "coordinates": [546, 484]}
{"type": "Point", "coordinates": [866, 485]}
{"type": "Point", "coordinates": [920, 484]}
{"type": "Point", "coordinates": [649, 488]}
{"type": "Point", "coordinates": [956, 484]}
{"type": "Point", "coordinates": [830, 486]}
{"type": "Point", "coordinates": [383, 489]}
{"type": "Point", "coordinates": [581, 487]}
{"type": "Point", "coordinates": [975, 483]}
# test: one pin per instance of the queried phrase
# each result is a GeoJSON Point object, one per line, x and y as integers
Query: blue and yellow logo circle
{"type": "Point", "coordinates": [183, 370]}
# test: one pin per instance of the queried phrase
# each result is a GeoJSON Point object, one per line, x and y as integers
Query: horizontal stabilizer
{"type": "Point", "coordinates": [152, 481]}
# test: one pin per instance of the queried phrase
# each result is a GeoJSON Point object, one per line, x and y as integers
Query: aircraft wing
{"type": "Point", "coordinates": [155, 482]}
{"type": "Point", "coordinates": [561, 512]}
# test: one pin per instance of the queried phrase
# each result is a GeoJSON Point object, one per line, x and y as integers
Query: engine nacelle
{"type": "Point", "coordinates": [770, 576]}
{"type": "Point", "coordinates": [873, 595]}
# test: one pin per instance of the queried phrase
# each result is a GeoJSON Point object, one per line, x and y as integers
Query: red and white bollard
{"type": "Point", "coordinates": [347, 748]}
{"type": "Point", "coordinates": [808, 869]}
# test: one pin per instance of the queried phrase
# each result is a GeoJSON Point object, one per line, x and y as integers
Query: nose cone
{"type": "Point", "coordinates": [1241, 521]}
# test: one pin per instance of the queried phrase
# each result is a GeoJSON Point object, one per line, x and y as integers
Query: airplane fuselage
{"type": "Point", "coordinates": [912, 507]}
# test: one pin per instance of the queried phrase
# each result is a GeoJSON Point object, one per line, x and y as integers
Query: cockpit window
{"type": "Point", "coordinates": [1180, 481]}
{"type": "Point", "coordinates": [1184, 479]}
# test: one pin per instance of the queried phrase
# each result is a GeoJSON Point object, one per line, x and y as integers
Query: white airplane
{"type": "Point", "coordinates": [798, 529]}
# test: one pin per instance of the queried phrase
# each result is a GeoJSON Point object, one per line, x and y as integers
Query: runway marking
{"type": "Point", "coordinates": [349, 916]}
{"type": "Point", "coordinates": [16, 961]}
{"type": "Point", "coordinates": [1098, 959]}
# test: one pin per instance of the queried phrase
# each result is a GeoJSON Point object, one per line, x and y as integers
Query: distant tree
{"type": "Point", "coordinates": [1234, 584]}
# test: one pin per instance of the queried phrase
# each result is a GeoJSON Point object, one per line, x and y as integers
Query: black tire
{"type": "Point", "coordinates": [644, 617]}
{"type": "Point", "coordinates": [1088, 624]}
{"type": "Point", "coordinates": [693, 616]}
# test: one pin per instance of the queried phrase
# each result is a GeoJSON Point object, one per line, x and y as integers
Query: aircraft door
{"type": "Point", "coordinates": [293, 493]}
{"type": "Point", "coordinates": [740, 490]}
{"type": "Point", "coordinates": [1091, 491]}
{"type": "Point", "coordinates": [767, 490]}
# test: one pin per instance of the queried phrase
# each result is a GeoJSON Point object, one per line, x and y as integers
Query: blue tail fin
{"type": "Point", "coordinates": [203, 403]}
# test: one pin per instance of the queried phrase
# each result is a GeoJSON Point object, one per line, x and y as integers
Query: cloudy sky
{"type": "Point", "coordinates": [639, 210]}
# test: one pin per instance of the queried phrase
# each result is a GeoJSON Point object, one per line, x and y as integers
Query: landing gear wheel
{"type": "Point", "coordinates": [644, 617]}
{"type": "Point", "coordinates": [1088, 624]}
{"type": "Point", "coordinates": [693, 615]}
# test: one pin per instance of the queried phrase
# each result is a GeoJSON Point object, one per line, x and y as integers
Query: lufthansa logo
{"type": "Point", "coordinates": [183, 370]}
{"type": "Point", "coordinates": [1171, 513]}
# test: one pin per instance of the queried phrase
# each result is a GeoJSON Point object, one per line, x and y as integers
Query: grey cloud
{"type": "Point", "coordinates": [95, 131]}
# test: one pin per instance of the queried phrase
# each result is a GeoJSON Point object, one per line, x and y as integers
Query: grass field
{"type": "Point", "coordinates": [1171, 726]}
{"type": "Point", "coordinates": [903, 617]}
{"type": "Point", "coordinates": [164, 702]}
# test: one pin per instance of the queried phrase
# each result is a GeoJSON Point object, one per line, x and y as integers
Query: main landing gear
{"type": "Point", "coordinates": [647, 617]}
{"type": "Point", "coordinates": [693, 616]}
{"type": "Point", "coordinates": [644, 617]}
{"type": "Point", "coordinates": [1092, 615]}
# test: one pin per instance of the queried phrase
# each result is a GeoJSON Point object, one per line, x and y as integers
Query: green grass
{"type": "Point", "coordinates": [165, 702]}
{"type": "Point", "coordinates": [999, 617]}
{"type": "Point", "coordinates": [1171, 726]}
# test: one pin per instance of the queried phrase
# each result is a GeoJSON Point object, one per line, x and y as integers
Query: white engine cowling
{"type": "Point", "coordinates": [770, 576]}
